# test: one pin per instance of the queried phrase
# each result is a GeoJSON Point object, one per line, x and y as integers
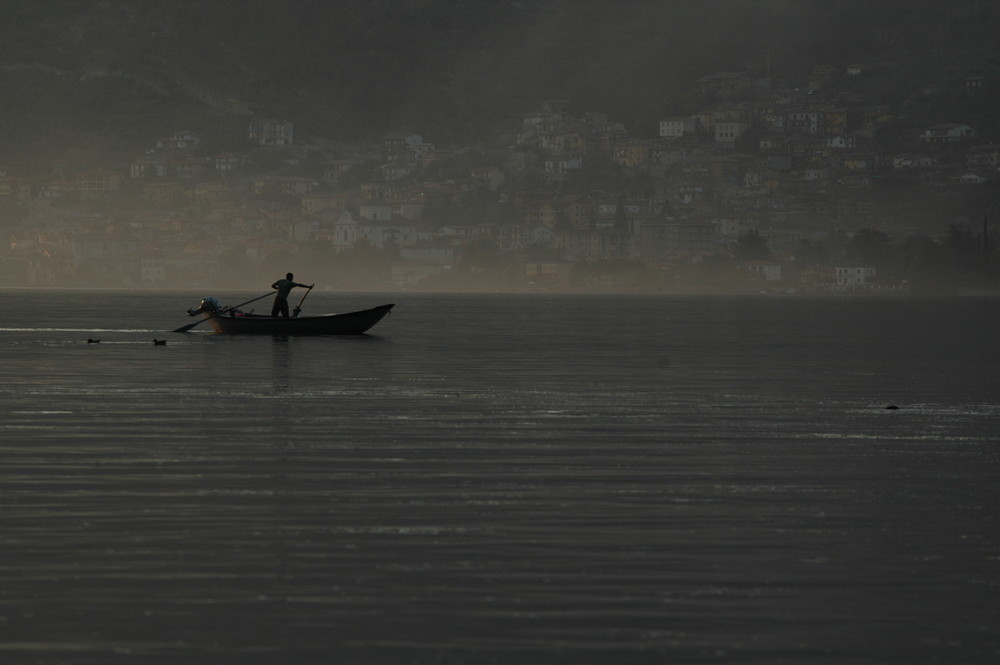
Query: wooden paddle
{"type": "Point", "coordinates": [298, 308]}
{"type": "Point", "coordinates": [221, 311]}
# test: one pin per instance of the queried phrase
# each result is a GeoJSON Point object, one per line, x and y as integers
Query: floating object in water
{"type": "Point", "coordinates": [892, 407]}
{"type": "Point", "coordinates": [159, 342]}
{"type": "Point", "coordinates": [93, 341]}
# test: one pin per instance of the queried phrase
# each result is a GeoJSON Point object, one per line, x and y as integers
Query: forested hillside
{"type": "Point", "coordinates": [109, 75]}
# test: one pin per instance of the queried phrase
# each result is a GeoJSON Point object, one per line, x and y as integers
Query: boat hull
{"type": "Point", "coordinates": [350, 323]}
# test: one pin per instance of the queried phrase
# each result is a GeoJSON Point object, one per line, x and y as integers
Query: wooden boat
{"type": "Point", "coordinates": [234, 322]}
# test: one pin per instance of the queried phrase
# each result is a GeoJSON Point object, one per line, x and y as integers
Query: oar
{"type": "Point", "coordinates": [221, 311]}
{"type": "Point", "coordinates": [298, 308]}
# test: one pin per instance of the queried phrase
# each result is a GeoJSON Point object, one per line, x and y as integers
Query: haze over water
{"type": "Point", "coordinates": [502, 479]}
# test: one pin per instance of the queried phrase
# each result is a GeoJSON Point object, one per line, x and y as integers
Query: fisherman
{"type": "Point", "coordinates": [284, 287]}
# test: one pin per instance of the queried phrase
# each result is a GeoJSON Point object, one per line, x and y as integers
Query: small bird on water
{"type": "Point", "coordinates": [93, 341]}
{"type": "Point", "coordinates": [159, 342]}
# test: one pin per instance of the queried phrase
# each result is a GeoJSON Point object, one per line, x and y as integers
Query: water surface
{"type": "Point", "coordinates": [502, 479]}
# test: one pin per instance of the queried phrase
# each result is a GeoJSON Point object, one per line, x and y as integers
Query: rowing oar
{"type": "Point", "coordinates": [221, 311]}
{"type": "Point", "coordinates": [298, 308]}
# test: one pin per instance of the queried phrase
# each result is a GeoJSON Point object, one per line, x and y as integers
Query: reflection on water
{"type": "Point", "coordinates": [503, 480]}
{"type": "Point", "coordinates": [280, 352]}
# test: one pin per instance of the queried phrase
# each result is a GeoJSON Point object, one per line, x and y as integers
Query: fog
{"type": "Point", "coordinates": [659, 147]}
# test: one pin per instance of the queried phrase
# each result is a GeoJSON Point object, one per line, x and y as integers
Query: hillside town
{"type": "Point", "coordinates": [761, 189]}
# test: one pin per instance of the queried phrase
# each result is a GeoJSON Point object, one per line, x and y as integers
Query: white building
{"type": "Point", "coordinates": [382, 234]}
{"type": "Point", "coordinates": [984, 156]}
{"type": "Point", "coordinates": [442, 254]}
{"type": "Point", "coordinates": [675, 128]}
{"type": "Point", "coordinates": [727, 133]}
{"type": "Point", "coordinates": [854, 276]}
{"type": "Point", "coordinates": [270, 132]}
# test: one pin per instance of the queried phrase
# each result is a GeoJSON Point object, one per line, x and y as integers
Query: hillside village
{"type": "Point", "coordinates": [761, 189]}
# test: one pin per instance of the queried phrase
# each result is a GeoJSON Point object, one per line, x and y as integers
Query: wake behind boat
{"type": "Point", "coordinates": [233, 321]}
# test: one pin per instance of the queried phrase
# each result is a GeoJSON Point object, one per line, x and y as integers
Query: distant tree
{"type": "Point", "coordinates": [718, 271]}
{"type": "Point", "coordinates": [667, 211]}
{"type": "Point", "coordinates": [751, 246]}
{"type": "Point", "coordinates": [811, 253]}
{"type": "Point", "coordinates": [869, 247]}
{"type": "Point", "coordinates": [835, 245]}
{"type": "Point", "coordinates": [875, 248]}
{"type": "Point", "coordinates": [926, 268]}
{"type": "Point", "coordinates": [964, 255]}
{"type": "Point", "coordinates": [562, 223]}
{"type": "Point", "coordinates": [499, 212]}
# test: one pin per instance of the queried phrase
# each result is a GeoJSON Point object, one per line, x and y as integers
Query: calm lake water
{"type": "Point", "coordinates": [502, 479]}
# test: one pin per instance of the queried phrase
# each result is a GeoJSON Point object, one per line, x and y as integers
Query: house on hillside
{"type": "Point", "coordinates": [834, 120]}
{"type": "Point", "coordinates": [659, 241]}
{"type": "Point", "coordinates": [410, 273]}
{"type": "Point", "coordinates": [437, 253]}
{"type": "Point", "coordinates": [909, 160]}
{"type": "Point", "coordinates": [563, 142]}
{"type": "Point", "coordinates": [398, 169]}
{"type": "Point", "coordinates": [313, 203]}
{"type": "Point", "coordinates": [854, 276]}
{"type": "Point", "coordinates": [768, 271]}
{"type": "Point", "coordinates": [490, 177]}
{"type": "Point", "coordinates": [228, 163]}
{"type": "Point", "coordinates": [948, 133]}
{"type": "Point", "coordinates": [727, 133]}
{"type": "Point", "coordinates": [972, 178]}
{"type": "Point", "coordinates": [675, 128]}
{"type": "Point", "coordinates": [179, 141]}
{"type": "Point", "coordinates": [402, 146]}
{"type": "Point", "coordinates": [860, 162]}
{"type": "Point", "coordinates": [270, 133]}
{"type": "Point", "coordinates": [103, 248]}
{"type": "Point", "coordinates": [333, 170]}
{"type": "Point", "coordinates": [161, 192]}
{"type": "Point", "coordinates": [376, 190]}
{"type": "Point", "coordinates": [211, 193]}
{"type": "Point", "coordinates": [97, 183]}
{"type": "Point", "coordinates": [152, 268]}
{"type": "Point", "coordinates": [386, 234]}
{"type": "Point", "coordinates": [16, 188]}
{"type": "Point", "coordinates": [558, 169]}
{"type": "Point", "coordinates": [408, 209]}
{"type": "Point", "coordinates": [188, 168]}
{"type": "Point", "coordinates": [286, 185]}
{"type": "Point", "coordinates": [549, 273]}
{"type": "Point", "coordinates": [803, 121]}
{"type": "Point", "coordinates": [375, 211]}
{"type": "Point", "coordinates": [147, 167]}
{"type": "Point", "coordinates": [56, 189]}
{"type": "Point", "coordinates": [984, 157]}
{"type": "Point", "coordinates": [632, 154]}
{"type": "Point", "coordinates": [974, 85]}
{"type": "Point", "coordinates": [345, 232]}
{"type": "Point", "coordinates": [725, 84]}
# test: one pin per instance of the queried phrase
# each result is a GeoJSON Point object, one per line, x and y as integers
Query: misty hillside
{"type": "Point", "coordinates": [108, 76]}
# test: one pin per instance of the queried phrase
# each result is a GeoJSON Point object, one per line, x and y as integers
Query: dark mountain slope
{"type": "Point", "coordinates": [113, 75]}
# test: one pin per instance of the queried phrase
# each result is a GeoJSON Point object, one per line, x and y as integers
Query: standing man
{"type": "Point", "coordinates": [284, 287]}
